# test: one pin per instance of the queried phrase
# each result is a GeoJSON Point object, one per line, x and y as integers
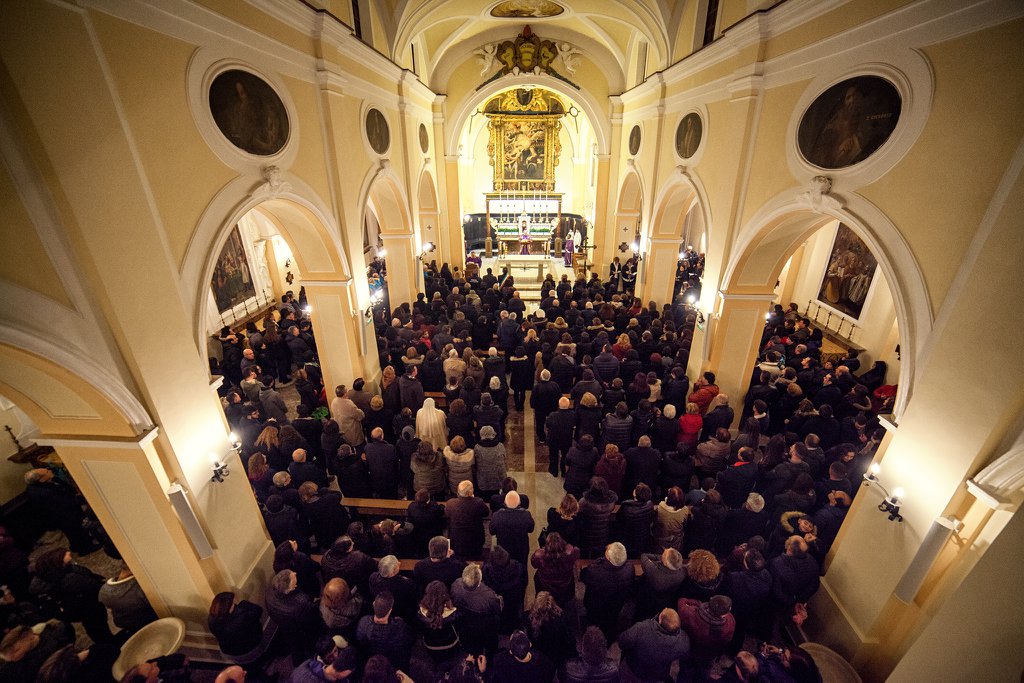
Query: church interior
{"type": "Point", "coordinates": [171, 172]}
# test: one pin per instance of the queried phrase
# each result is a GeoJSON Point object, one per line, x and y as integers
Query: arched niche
{"type": "Point", "coordinates": [385, 196]}
{"type": "Point", "coordinates": [428, 209]}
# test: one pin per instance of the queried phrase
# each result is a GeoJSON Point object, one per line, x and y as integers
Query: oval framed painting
{"type": "Point", "coordinates": [848, 122]}
{"type": "Point", "coordinates": [634, 140]}
{"type": "Point", "coordinates": [424, 138]}
{"type": "Point", "coordinates": [378, 133]}
{"type": "Point", "coordinates": [248, 112]}
{"type": "Point", "coordinates": [689, 134]}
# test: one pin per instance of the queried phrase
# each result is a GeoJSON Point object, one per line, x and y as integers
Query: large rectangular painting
{"type": "Point", "coordinates": [232, 281]}
{"type": "Point", "coordinates": [847, 279]}
{"type": "Point", "coordinates": [524, 152]}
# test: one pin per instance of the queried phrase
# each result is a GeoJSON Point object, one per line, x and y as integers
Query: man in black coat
{"type": "Point", "coordinates": [343, 560]}
{"type": "Point", "coordinates": [402, 588]}
{"type": "Point", "coordinates": [382, 459]}
{"type": "Point", "coordinates": [643, 464]}
{"type": "Point", "coordinates": [740, 525]}
{"type": "Point", "coordinates": [609, 581]}
{"type": "Point", "coordinates": [558, 428]}
{"type": "Point", "coordinates": [294, 612]}
{"type": "Point", "coordinates": [311, 430]}
{"type": "Point", "coordinates": [720, 416]}
{"type": "Point", "coordinates": [737, 480]}
{"type": "Point", "coordinates": [56, 505]}
{"type": "Point", "coordinates": [512, 526]}
{"type": "Point", "coordinates": [283, 523]}
{"type": "Point", "coordinates": [439, 566]}
{"type": "Point", "coordinates": [750, 590]}
{"type": "Point", "coordinates": [302, 471]}
{"type": "Point", "coordinates": [794, 577]}
{"type": "Point", "coordinates": [588, 383]}
{"type": "Point", "coordinates": [544, 401]}
{"type": "Point", "coordinates": [563, 371]}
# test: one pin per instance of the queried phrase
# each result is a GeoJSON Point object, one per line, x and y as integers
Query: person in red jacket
{"type": "Point", "coordinates": [710, 626]}
{"type": "Point", "coordinates": [704, 390]}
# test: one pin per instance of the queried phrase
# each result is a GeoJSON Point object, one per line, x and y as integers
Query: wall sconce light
{"type": "Point", "coordinates": [381, 252]}
{"type": "Point", "coordinates": [427, 248]}
{"type": "Point", "coordinates": [375, 299]}
{"type": "Point", "coordinates": [307, 310]}
{"type": "Point", "coordinates": [892, 502]}
{"type": "Point", "coordinates": [220, 471]}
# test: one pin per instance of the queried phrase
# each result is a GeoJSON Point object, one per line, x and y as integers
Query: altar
{"type": "Point", "coordinates": [526, 265]}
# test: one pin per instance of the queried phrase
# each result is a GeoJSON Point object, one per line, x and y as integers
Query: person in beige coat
{"type": "Point", "coordinates": [348, 416]}
{"type": "Point", "coordinates": [460, 461]}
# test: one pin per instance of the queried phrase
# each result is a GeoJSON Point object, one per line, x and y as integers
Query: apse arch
{"type": "Point", "coordinates": [587, 103]}
{"type": "Point", "coordinates": [775, 232]}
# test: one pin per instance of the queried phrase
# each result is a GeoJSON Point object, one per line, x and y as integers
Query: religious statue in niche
{"type": "Point", "coordinates": [526, 9]}
{"type": "Point", "coordinates": [848, 122]}
{"type": "Point", "coordinates": [847, 279]}
{"type": "Point", "coordinates": [248, 112]}
{"type": "Point", "coordinates": [232, 282]}
{"type": "Point", "coordinates": [526, 54]}
{"type": "Point", "coordinates": [378, 134]}
{"type": "Point", "coordinates": [688, 135]}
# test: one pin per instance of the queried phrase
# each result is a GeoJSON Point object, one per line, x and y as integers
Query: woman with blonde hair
{"type": "Point", "coordinates": [460, 460]}
{"type": "Point", "coordinates": [562, 519]}
{"type": "Point", "coordinates": [690, 425]}
{"type": "Point", "coordinates": [340, 607]}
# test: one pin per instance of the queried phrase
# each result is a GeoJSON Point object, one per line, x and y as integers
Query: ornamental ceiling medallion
{"type": "Point", "coordinates": [526, 54]}
{"type": "Point", "coordinates": [526, 9]}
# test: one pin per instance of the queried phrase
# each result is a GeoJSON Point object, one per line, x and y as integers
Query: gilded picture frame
{"type": "Point", "coordinates": [524, 151]}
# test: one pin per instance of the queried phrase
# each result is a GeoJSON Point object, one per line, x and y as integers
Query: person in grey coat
{"type": "Point", "coordinates": [490, 462]}
{"type": "Point", "coordinates": [126, 602]}
{"type": "Point", "coordinates": [649, 647]}
{"type": "Point", "coordinates": [272, 403]}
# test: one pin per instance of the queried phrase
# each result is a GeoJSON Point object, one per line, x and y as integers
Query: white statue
{"type": "Point", "coordinates": [486, 54]}
{"type": "Point", "coordinates": [570, 55]}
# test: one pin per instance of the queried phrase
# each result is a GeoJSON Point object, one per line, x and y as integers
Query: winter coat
{"type": "Point", "coordinates": [460, 467]}
{"type": "Point", "coordinates": [617, 430]}
{"type": "Point", "coordinates": [127, 603]}
{"type": "Point", "coordinates": [490, 464]}
{"type": "Point", "coordinates": [612, 468]}
{"type": "Point", "coordinates": [581, 463]}
{"type": "Point", "coordinates": [595, 521]}
{"type": "Point", "coordinates": [668, 524]}
{"type": "Point", "coordinates": [635, 520]}
{"type": "Point", "coordinates": [429, 474]}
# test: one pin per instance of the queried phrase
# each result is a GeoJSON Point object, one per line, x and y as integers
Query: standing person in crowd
{"type": "Point", "coordinates": [466, 514]}
{"type": "Point", "coordinates": [650, 647]}
{"type": "Point", "coordinates": [348, 416]}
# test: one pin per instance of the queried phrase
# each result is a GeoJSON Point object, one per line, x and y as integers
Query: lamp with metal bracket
{"type": "Point", "coordinates": [427, 248]}
{"type": "Point", "coordinates": [375, 299]}
{"type": "Point", "coordinates": [891, 503]}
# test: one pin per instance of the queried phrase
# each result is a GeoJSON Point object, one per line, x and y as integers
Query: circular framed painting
{"type": "Point", "coordinates": [378, 134]}
{"type": "Point", "coordinates": [248, 112]}
{"type": "Point", "coordinates": [849, 122]}
{"type": "Point", "coordinates": [634, 140]}
{"type": "Point", "coordinates": [424, 138]}
{"type": "Point", "coordinates": [688, 135]}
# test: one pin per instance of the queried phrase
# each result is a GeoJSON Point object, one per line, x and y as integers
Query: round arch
{"type": "Point", "coordinates": [382, 190]}
{"type": "Point", "coordinates": [682, 193]}
{"type": "Point", "coordinates": [308, 228]}
{"type": "Point", "coordinates": [429, 213]}
{"type": "Point", "coordinates": [628, 211]}
{"type": "Point", "coordinates": [775, 232]}
{"type": "Point", "coordinates": [587, 103]}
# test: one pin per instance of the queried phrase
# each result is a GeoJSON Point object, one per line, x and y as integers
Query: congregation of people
{"type": "Point", "coordinates": [684, 543]}
{"type": "Point", "coordinates": [677, 550]}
